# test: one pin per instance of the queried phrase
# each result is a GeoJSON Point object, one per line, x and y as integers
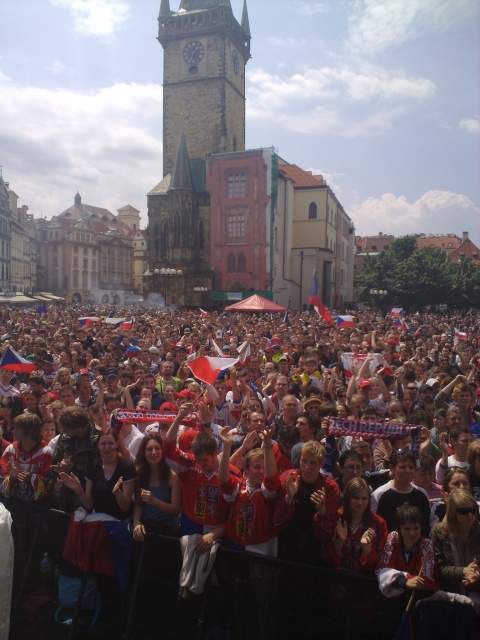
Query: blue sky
{"type": "Point", "coordinates": [380, 96]}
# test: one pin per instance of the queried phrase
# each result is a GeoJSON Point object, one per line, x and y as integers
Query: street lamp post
{"type": "Point", "coordinates": [166, 273]}
{"type": "Point", "coordinates": [378, 295]}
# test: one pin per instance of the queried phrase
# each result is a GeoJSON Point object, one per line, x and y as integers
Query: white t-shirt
{"type": "Point", "coordinates": [133, 441]}
{"type": "Point", "coordinates": [452, 462]}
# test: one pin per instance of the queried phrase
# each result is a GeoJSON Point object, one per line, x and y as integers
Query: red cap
{"type": "Point", "coordinates": [186, 394]}
{"type": "Point", "coordinates": [168, 407]}
{"type": "Point", "coordinates": [365, 384]}
{"type": "Point", "coordinates": [186, 438]}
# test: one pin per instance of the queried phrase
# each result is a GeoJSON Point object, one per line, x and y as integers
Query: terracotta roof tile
{"type": "Point", "coordinates": [301, 178]}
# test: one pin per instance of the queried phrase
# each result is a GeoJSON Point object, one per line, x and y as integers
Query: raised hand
{"type": "Point", "coordinates": [226, 437]}
{"type": "Point", "coordinates": [118, 486]}
{"type": "Point", "coordinates": [251, 440]}
{"type": "Point", "coordinates": [367, 541]}
{"type": "Point", "coordinates": [71, 481]}
{"type": "Point", "coordinates": [318, 500]}
{"type": "Point", "coordinates": [292, 486]}
{"type": "Point", "coordinates": [266, 438]}
{"type": "Point", "coordinates": [444, 443]}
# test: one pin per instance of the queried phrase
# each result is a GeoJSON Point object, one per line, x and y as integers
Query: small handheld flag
{"type": "Point", "coordinates": [207, 369]}
{"type": "Point", "coordinates": [88, 321]}
{"type": "Point", "coordinates": [322, 310]}
{"type": "Point", "coordinates": [345, 322]}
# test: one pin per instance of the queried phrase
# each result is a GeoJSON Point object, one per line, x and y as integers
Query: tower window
{"type": "Point", "coordinates": [236, 225]}
{"type": "Point", "coordinates": [312, 211]}
{"type": "Point", "coordinates": [237, 185]}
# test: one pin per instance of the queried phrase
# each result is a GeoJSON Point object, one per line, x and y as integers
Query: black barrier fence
{"type": "Point", "coordinates": [247, 596]}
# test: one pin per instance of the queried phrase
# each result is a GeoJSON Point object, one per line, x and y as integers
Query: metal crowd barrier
{"type": "Point", "coordinates": [248, 595]}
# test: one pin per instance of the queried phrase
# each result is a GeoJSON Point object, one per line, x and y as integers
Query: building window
{"type": "Point", "coordinates": [241, 263]}
{"type": "Point", "coordinates": [312, 211]}
{"type": "Point", "coordinates": [237, 185]}
{"type": "Point", "coordinates": [231, 267]}
{"type": "Point", "coordinates": [236, 225]}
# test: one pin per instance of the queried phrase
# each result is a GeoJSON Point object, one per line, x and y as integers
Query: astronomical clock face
{"type": "Point", "coordinates": [193, 53]}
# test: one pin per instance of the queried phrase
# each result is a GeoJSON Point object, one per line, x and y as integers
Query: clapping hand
{"type": "Point", "coordinates": [146, 496]}
{"type": "Point", "coordinates": [118, 486]}
{"type": "Point", "coordinates": [318, 500]}
{"type": "Point", "coordinates": [292, 486]}
{"type": "Point", "coordinates": [367, 541]}
{"type": "Point", "coordinates": [71, 481]}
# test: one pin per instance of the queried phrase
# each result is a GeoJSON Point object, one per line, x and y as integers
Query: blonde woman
{"type": "Point", "coordinates": [456, 542]}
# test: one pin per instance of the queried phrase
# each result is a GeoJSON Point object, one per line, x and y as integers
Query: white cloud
{"type": "Point", "coordinates": [96, 17]}
{"type": "Point", "coordinates": [312, 7]}
{"type": "Point", "coordinates": [345, 95]}
{"type": "Point", "coordinates": [472, 125]}
{"type": "Point", "coordinates": [434, 212]}
{"type": "Point", "coordinates": [106, 143]}
{"type": "Point", "coordinates": [57, 68]}
{"type": "Point", "coordinates": [376, 25]}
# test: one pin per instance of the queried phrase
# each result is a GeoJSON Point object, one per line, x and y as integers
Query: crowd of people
{"type": "Point", "coordinates": [113, 428]}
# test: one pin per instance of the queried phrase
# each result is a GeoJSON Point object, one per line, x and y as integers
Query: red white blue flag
{"type": "Point", "coordinates": [12, 361]}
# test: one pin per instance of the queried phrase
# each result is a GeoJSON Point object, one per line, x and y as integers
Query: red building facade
{"type": "Point", "coordinates": [240, 186]}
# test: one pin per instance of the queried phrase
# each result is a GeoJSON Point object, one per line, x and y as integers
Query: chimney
{"type": "Point", "coordinates": [465, 236]}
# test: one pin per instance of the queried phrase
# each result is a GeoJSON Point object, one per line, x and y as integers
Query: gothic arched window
{"type": "Point", "coordinates": [231, 267]}
{"type": "Point", "coordinates": [312, 211]}
{"type": "Point", "coordinates": [241, 263]}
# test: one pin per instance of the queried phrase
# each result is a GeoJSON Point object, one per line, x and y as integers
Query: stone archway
{"type": "Point", "coordinates": [76, 298]}
{"type": "Point", "coordinates": [105, 299]}
{"type": "Point", "coordinates": [116, 299]}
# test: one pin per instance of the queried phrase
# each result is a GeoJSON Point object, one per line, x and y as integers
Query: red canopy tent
{"type": "Point", "coordinates": [256, 303]}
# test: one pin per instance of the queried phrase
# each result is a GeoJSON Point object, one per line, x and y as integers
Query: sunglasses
{"type": "Point", "coordinates": [465, 511]}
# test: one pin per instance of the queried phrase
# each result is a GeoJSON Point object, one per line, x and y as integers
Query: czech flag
{"type": "Point", "coordinates": [208, 369]}
{"type": "Point", "coordinates": [321, 309]}
{"type": "Point", "coordinates": [345, 322]}
{"type": "Point", "coordinates": [114, 321]}
{"type": "Point", "coordinates": [88, 321]}
{"type": "Point", "coordinates": [400, 324]}
{"type": "Point", "coordinates": [203, 313]}
{"type": "Point", "coordinates": [12, 361]}
{"type": "Point", "coordinates": [396, 312]}
{"type": "Point", "coordinates": [460, 336]}
{"type": "Point", "coordinates": [127, 325]}
{"type": "Point", "coordinates": [132, 349]}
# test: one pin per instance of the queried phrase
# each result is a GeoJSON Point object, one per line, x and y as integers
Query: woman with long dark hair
{"type": "Point", "coordinates": [157, 492]}
{"type": "Point", "coordinates": [360, 534]}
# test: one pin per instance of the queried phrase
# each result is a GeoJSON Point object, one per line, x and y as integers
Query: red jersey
{"type": "Point", "coordinates": [350, 556]}
{"type": "Point", "coordinates": [282, 460]}
{"type": "Point", "coordinates": [202, 499]}
{"type": "Point", "coordinates": [36, 463]}
{"type": "Point", "coordinates": [398, 565]}
{"type": "Point", "coordinates": [250, 521]}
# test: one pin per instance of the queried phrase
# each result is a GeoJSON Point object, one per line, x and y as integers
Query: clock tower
{"type": "Point", "coordinates": [205, 54]}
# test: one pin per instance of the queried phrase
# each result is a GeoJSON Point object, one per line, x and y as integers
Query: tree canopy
{"type": "Point", "coordinates": [417, 279]}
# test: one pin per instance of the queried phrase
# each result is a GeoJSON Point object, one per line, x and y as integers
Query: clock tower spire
{"type": "Point", "coordinates": [205, 54]}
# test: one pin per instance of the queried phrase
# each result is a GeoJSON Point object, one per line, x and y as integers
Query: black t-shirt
{"type": "Point", "coordinates": [103, 499]}
{"type": "Point", "coordinates": [389, 500]}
